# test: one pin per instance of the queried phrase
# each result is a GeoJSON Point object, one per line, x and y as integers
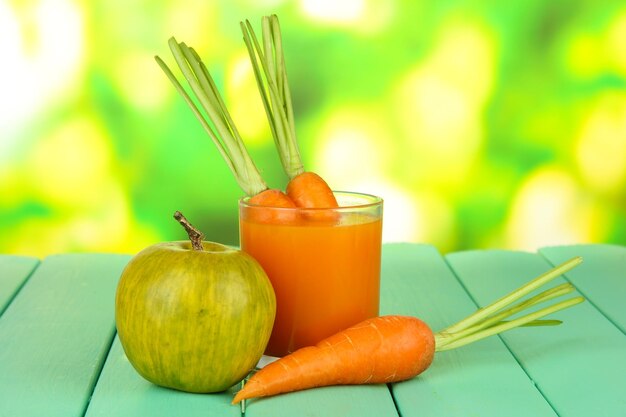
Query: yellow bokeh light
{"type": "Point", "coordinates": [464, 56]}
{"type": "Point", "coordinates": [441, 100]}
{"type": "Point", "coordinates": [244, 101]}
{"type": "Point", "coordinates": [112, 222]}
{"type": "Point", "coordinates": [106, 227]}
{"type": "Point", "coordinates": [71, 173]}
{"type": "Point", "coordinates": [601, 148]}
{"type": "Point", "coordinates": [354, 156]}
{"type": "Point", "coordinates": [364, 16]}
{"type": "Point", "coordinates": [11, 186]}
{"type": "Point", "coordinates": [42, 44]}
{"type": "Point", "coordinates": [549, 209]}
{"type": "Point", "coordinates": [334, 11]}
{"type": "Point", "coordinates": [71, 165]}
{"type": "Point", "coordinates": [402, 221]}
{"type": "Point", "coordinates": [584, 55]}
{"type": "Point", "coordinates": [352, 146]}
{"type": "Point", "coordinates": [140, 80]}
{"type": "Point", "coordinates": [437, 224]}
{"type": "Point", "coordinates": [190, 21]}
{"type": "Point", "coordinates": [410, 216]}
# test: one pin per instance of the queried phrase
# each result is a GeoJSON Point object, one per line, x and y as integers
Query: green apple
{"type": "Point", "coordinates": [194, 316]}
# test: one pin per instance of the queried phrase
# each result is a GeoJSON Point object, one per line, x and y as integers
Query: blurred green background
{"type": "Point", "coordinates": [482, 124]}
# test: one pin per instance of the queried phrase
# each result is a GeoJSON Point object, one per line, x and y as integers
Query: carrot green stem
{"type": "Point", "coordinates": [537, 323]}
{"type": "Point", "coordinates": [446, 337]}
{"type": "Point", "coordinates": [268, 63]}
{"type": "Point", "coordinates": [488, 321]}
{"type": "Point", "coordinates": [243, 403]}
{"type": "Point", "coordinates": [515, 295]}
{"type": "Point", "coordinates": [223, 131]}
{"type": "Point", "coordinates": [512, 324]}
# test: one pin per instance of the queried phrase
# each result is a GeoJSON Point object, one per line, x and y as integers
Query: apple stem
{"type": "Point", "coordinates": [195, 236]}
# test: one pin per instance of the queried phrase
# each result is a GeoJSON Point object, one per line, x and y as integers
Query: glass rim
{"type": "Point", "coordinates": [375, 201]}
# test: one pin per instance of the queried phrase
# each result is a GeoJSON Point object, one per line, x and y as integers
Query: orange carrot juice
{"type": "Point", "coordinates": [324, 265]}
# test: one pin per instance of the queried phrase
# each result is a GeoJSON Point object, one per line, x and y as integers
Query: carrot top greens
{"type": "Point", "coordinates": [222, 129]}
{"type": "Point", "coordinates": [489, 320]}
{"type": "Point", "coordinates": [268, 63]}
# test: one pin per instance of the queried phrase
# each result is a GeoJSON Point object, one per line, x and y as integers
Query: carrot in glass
{"type": "Point", "coordinates": [309, 190]}
{"type": "Point", "coordinates": [223, 133]}
{"type": "Point", "coordinates": [395, 348]}
{"type": "Point", "coordinates": [306, 189]}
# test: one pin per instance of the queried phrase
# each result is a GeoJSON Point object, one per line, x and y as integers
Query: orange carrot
{"type": "Point", "coordinates": [395, 348]}
{"type": "Point", "coordinates": [379, 350]}
{"type": "Point", "coordinates": [272, 198]}
{"type": "Point", "coordinates": [306, 189]}
{"type": "Point", "coordinates": [311, 191]}
{"type": "Point", "coordinates": [276, 199]}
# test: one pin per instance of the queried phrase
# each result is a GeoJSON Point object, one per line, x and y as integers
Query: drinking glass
{"type": "Point", "coordinates": [324, 265]}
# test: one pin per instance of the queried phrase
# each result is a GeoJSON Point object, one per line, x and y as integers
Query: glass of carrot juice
{"type": "Point", "coordinates": [324, 265]}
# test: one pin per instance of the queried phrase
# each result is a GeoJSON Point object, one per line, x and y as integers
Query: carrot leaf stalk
{"type": "Point", "coordinates": [270, 72]}
{"type": "Point", "coordinates": [394, 348]}
{"type": "Point", "coordinates": [487, 321]}
{"type": "Point", "coordinates": [306, 189]}
{"type": "Point", "coordinates": [222, 129]}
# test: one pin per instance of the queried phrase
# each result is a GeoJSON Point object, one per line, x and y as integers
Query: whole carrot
{"type": "Point", "coordinates": [306, 189]}
{"type": "Point", "coordinates": [380, 350]}
{"type": "Point", "coordinates": [395, 348]}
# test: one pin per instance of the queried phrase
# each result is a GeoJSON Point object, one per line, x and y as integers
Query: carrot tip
{"type": "Point", "coordinates": [237, 398]}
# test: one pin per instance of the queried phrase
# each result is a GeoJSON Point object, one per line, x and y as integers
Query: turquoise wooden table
{"type": "Point", "coordinates": [59, 355]}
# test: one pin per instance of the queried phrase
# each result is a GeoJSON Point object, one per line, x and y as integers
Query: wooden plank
{"type": "Point", "coordinates": [14, 271]}
{"type": "Point", "coordinates": [601, 278]}
{"type": "Point", "coordinates": [579, 366]}
{"type": "Point", "coordinates": [56, 334]}
{"type": "Point", "coordinates": [480, 380]}
{"type": "Point", "coordinates": [121, 391]}
{"type": "Point", "coordinates": [361, 400]}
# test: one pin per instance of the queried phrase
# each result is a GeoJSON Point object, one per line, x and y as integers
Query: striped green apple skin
{"type": "Point", "coordinates": [195, 321]}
